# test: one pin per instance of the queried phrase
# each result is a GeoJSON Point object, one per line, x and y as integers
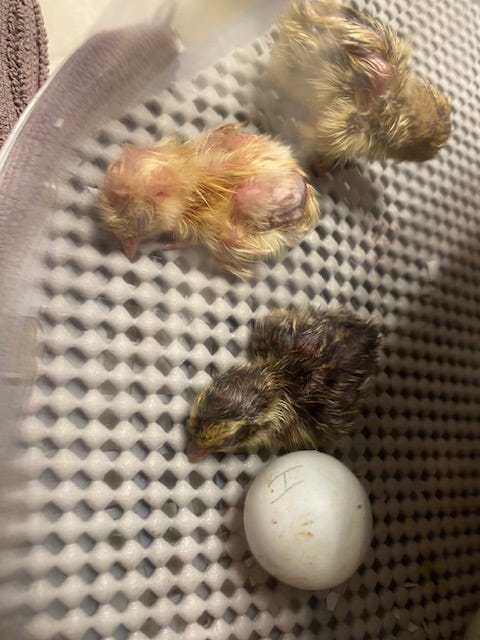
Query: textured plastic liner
{"type": "Point", "coordinates": [127, 538]}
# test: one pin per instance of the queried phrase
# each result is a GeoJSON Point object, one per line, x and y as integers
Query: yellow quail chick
{"type": "Point", "coordinates": [241, 195]}
{"type": "Point", "coordinates": [356, 95]}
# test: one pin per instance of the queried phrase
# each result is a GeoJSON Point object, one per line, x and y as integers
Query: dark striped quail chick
{"type": "Point", "coordinates": [303, 387]}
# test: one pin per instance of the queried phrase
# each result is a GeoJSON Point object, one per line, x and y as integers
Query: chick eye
{"type": "Point", "coordinates": [240, 436]}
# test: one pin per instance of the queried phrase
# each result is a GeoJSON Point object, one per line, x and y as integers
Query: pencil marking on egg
{"type": "Point", "coordinates": [295, 484]}
{"type": "Point", "coordinates": [284, 475]}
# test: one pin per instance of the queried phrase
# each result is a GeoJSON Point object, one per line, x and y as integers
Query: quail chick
{"type": "Point", "coordinates": [349, 77]}
{"type": "Point", "coordinates": [303, 387]}
{"type": "Point", "coordinates": [241, 195]}
{"type": "Point", "coordinates": [276, 333]}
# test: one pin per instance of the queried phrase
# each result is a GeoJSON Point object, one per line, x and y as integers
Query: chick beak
{"type": "Point", "coordinates": [196, 453]}
{"type": "Point", "coordinates": [130, 247]}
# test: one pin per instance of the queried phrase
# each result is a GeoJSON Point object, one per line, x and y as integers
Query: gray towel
{"type": "Point", "coordinates": [23, 59]}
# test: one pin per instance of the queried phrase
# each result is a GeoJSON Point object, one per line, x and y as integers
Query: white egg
{"type": "Point", "coordinates": [308, 520]}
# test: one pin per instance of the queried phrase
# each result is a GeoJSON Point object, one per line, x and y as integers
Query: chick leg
{"type": "Point", "coordinates": [318, 167]}
{"type": "Point", "coordinates": [173, 245]}
{"type": "Point", "coordinates": [130, 246]}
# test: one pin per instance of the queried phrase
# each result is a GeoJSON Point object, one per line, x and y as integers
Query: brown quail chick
{"type": "Point", "coordinates": [303, 387]}
{"type": "Point", "coordinates": [241, 195]}
{"type": "Point", "coordinates": [276, 333]}
{"type": "Point", "coordinates": [356, 95]}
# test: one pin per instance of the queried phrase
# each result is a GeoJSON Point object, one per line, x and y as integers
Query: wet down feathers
{"type": "Point", "coordinates": [308, 372]}
{"type": "Point", "coordinates": [355, 93]}
{"type": "Point", "coordinates": [241, 195]}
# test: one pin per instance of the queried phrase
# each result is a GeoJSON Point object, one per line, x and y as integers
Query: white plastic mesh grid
{"type": "Point", "coordinates": [130, 540]}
